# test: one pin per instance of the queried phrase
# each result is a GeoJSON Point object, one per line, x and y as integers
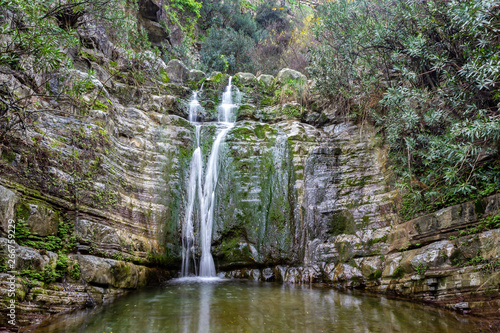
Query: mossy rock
{"type": "Point", "coordinates": [245, 80]}
{"type": "Point", "coordinates": [40, 219]}
{"type": "Point", "coordinates": [217, 81]}
{"type": "Point", "coordinates": [292, 111]}
{"type": "Point", "coordinates": [267, 114]}
{"type": "Point", "coordinates": [287, 74]}
{"type": "Point", "coordinates": [266, 81]}
{"type": "Point", "coordinates": [196, 75]}
{"type": "Point", "coordinates": [342, 223]}
{"type": "Point", "coordinates": [246, 112]}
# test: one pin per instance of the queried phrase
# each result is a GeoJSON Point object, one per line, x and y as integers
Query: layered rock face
{"type": "Point", "coordinates": [304, 196]}
{"type": "Point", "coordinates": [307, 198]}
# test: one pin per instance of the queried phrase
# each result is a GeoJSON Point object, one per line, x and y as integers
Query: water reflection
{"type": "Point", "coordinates": [236, 306]}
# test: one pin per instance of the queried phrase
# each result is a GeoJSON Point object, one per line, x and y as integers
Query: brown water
{"type": "Point", "coordinates": [192, 305]}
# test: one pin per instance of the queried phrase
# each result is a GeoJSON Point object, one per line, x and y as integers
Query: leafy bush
{"type": "Point", "coordinates": [229, 14]}
{"type": "Point", "coordinates": [427, 73]}
{"type": "Point", "coordinates": [270, 13]}
{"type": "Point", "coordinates": [227, 50]}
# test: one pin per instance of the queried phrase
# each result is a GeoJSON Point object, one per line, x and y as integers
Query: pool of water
{"type": "Point", "coordinates": [215, 305]}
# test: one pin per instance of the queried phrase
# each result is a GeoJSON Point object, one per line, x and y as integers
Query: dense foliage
{"type": "Point", "coordinates": [41, 40]}
{"type": "Point", "coordinates": [226, 50]}
{"type": "Point", "coordinates": [255, 36]}
{"type": "Point", "coordinates": [427, 73]}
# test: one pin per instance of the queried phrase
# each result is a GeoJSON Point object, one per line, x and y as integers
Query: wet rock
{"type": "Point", "coordinates": [246, 112]}
{"type": "Point", "coordinates": [196, 75]}
{"type": "Point", "coordinates": [266, 80]}
{"type": "Point", "coordinates": [245, 79]}
{"type": "Point", "coordinates": [25, 257]}
{"type": "Point", "coordinates": [287, 74]}
{"type": "Point", "coordinates": [8, 201]}
{"type": "Point", "coordinates": [177, 71]}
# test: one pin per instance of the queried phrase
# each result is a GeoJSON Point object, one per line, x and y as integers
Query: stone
{"type": "Point", "coordinates": [94, 36]}
{"type": "Point", "coordinates": [196, 75]}
{"type": "Point", "coordinates": [110, 272]}
{"type": "Point", "coordinates": [246, 112]}
{"type": "Point", "coordinates": [26, 257]}
{"type": "Point", "coordinates": [287, 74]}
{"type": "Point", "coordinates": [96, 270]}
{"type": "Point", "coordinates": [462, 306]}
{"type": "Point", "coordinates": [97, 233]}
{"type": "Point", "coordinates": [246, 79]}
{"type": "Point", "coordinates": [266, 80]}
{"type": "Point", "coordinates": [8, 201]}
{"type": "Point", "coordinates": [157, 34]}
{"type": "Point", "coordinates": [42, 221]}
{"type": "Point", "coordinates": [177, 72]}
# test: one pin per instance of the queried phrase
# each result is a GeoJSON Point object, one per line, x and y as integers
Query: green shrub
{"type": "Point", "coordinates": [228, 51]}
{"type": "Point", "coordinates": [74, 273]}
{"type": "Point", "coordinates": [426, 73]}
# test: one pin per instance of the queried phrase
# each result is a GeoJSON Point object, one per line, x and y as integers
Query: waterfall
{"type": "Point", "coordinates": [205, 189]}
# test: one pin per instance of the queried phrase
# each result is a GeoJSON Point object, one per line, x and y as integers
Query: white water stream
{"type": "Point", "coordinates": [201, 192]}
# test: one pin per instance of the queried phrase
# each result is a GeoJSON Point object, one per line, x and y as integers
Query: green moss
{"type": "Point", "coordinates": [260, 130]}
{"type": "Point", "coordinates": [23, 211]}
{"type": "Point", "coordinates": [380, 240]}
{"type": "Point", "coordinates": [292, 111]}
{"type": "Point", "coordinates": [74, 272]}
{"type": "Point", "coordinates": [8, 156]}
{"type": "Point", "coordinates": [399, 272]}
{"type": "Point", "coordinates": [242, 133]}
{"type": "Point", "coordinates": [266, 101]}
{"type": "Point", "coordinates": [217, 78]}
{"type": "Point", "coordinates": [375, 275]}
{"type": "Point", "coordinates": [342, 223]}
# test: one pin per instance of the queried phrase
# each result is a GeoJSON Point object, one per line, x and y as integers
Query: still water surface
{"type": "Point", "coordinates": [214, 305]}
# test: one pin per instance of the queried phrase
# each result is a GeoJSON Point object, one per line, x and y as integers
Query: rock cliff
{"type": "Point", "coordinates": [304, 196]}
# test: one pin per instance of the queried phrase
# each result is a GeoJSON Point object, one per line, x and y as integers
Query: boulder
{"type": "Point", "coordinates": [42, 220]}
{"type": "Point", "coordinates": [246, 112]}
{"type": "Point", "coordinates": [157, 34]}
{"type": "Point", "coordinates": [93, 36]}
{"type": "Point", "coordinates": [196, 75]}
{"type": "Point", "coordinates": [26, 257]}
{"type": "Point", "coordinates": [8, 201]}
{"type": "Point", "coordinates": [287, 74]}
{"type": "Point", "coordinates": [177, 71]}
{"type": "Point", "coordinates": [97, 270]}
{"type": "Point", "coordinates": [109, 272]}
{"type": "Point", "coordinates": [266, 80]}
{"type": "Point", "coordinates": [246, 79]}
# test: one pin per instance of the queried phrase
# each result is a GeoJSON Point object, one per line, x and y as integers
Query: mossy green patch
{"type": "Point", "coordinates": [342, 223]}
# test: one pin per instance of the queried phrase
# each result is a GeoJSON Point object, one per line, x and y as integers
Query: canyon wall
{"type": "Point", "coordinates": [304, 195]}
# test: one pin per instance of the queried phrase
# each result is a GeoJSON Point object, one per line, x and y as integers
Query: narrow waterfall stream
{"type": "Point", "coordinates": [204, 190]}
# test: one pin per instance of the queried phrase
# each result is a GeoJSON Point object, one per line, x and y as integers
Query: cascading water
{"type": "Point", "coordinates": [205, 190]}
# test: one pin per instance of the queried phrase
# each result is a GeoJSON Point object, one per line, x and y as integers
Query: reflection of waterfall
{"type": "Point", "coordinates": [206, 191]}
{"type": "Point", "coordinates": [206, 298]}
